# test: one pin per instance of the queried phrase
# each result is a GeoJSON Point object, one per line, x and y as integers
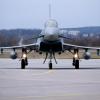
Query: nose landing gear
{"type": "Point", "coordinates": [52, 55]}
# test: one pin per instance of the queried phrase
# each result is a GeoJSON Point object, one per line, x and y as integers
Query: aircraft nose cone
{"type": "Point", "coordinates": [51, 34]}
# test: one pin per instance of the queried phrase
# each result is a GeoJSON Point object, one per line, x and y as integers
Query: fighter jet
{"type": "Point", "coordinates": [50, 41]}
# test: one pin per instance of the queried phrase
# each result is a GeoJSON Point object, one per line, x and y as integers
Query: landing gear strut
{"type": "Point", "coordinates": [76, 59]}
{"type": "Point", "coordinates": [50, 62]}
{"type": "Point", "coordinates": [52, 55]}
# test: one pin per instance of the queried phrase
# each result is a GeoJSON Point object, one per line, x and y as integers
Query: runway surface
{"type": "Point", "coordinates": [37, 82]}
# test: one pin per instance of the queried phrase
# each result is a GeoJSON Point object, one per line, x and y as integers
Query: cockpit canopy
{"type": "Point", "coordinates": [51, 23]}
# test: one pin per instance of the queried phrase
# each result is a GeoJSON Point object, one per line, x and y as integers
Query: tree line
{"type": "Point", "coordinates": [13, 37]}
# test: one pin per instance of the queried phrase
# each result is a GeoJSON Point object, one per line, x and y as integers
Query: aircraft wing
{"type": "Point", "coordinates": [33, 46]}
{"type": "Point", "coordinates": [70, 46]}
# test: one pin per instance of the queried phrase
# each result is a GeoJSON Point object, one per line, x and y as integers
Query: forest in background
{"type": "Point", "coordinates": [13, 36]}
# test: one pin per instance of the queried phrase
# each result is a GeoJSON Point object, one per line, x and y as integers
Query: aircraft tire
{"type": "Point", "coordinates": [50, 65]}
{"type": "Point", "coordinates": [77, 64]}
{"type": "Point", "coordinates": [73, 62]}
{"type": "Point", "coordinates": [22, 64]}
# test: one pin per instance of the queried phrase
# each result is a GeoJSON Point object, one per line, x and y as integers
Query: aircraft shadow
{"type": "Point", "coordinates": [83, 68]}
{"type": "Point", "coordinates": [10, 68]}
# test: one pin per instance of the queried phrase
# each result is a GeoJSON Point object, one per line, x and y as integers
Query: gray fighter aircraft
{"type": "Point", "coordinates": [50, 41]}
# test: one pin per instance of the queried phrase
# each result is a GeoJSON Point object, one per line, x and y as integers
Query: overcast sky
{"type": "Point", "coordinates": [33, 13]}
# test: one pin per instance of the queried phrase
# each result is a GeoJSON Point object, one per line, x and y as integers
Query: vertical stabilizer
{"type": "Point", "coordinates": [49, 11]}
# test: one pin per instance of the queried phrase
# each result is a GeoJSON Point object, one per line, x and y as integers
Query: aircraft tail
{"type": "Point", "coordinates": [49, 11]}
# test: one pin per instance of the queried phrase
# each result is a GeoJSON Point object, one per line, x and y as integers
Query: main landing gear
{"type": "Point", "coordinates": [24, 61]}
{"type": "Point", "coordinates": [76, 59]}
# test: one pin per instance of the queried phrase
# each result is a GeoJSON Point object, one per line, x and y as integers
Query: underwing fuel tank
{"type": "Point", "coordinates": [87, 55]}
{"type": "Point", "coordinates": [13, 55]}
{"type": "Point", "coordinates": [98, 52]}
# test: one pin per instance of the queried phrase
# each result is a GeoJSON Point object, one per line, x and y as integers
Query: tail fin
{"type": "Point", "coordinates": [49, 11]}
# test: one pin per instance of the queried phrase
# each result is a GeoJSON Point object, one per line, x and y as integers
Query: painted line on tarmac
{"type": "Point", "coordinates": [55, 96]}
{"type": "Point", "coordinates": [38, 74]}
{"type": "Point", "coordinates": [43, 73]}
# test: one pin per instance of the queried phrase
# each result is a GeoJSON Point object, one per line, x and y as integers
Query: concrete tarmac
{"type": "Point", "coordinates": [37, 82]}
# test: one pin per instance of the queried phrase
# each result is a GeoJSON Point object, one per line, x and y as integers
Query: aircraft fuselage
{"type": "Point", "coordinates": [51, 40]}
{"type": "Point", "coordinates": [48, 46]}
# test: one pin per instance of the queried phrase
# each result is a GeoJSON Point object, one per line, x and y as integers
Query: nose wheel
{"type": "Point", "coordinates": [50, 65]}
{"type": "Point", "coordinates": [50, 62]}
{"type": "Point", "coordinates": [51, 55]}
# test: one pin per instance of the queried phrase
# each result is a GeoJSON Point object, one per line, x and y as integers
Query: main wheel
{"type": "Point", "coordinates": [22, 64]}
{"type": "Point", "coordinates": [50, 65]}
{"type": "Point", "coordinates": [76, 64]}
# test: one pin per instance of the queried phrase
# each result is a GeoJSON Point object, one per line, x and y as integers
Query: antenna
{"type": "Point", "coordinates": [49, 11]}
